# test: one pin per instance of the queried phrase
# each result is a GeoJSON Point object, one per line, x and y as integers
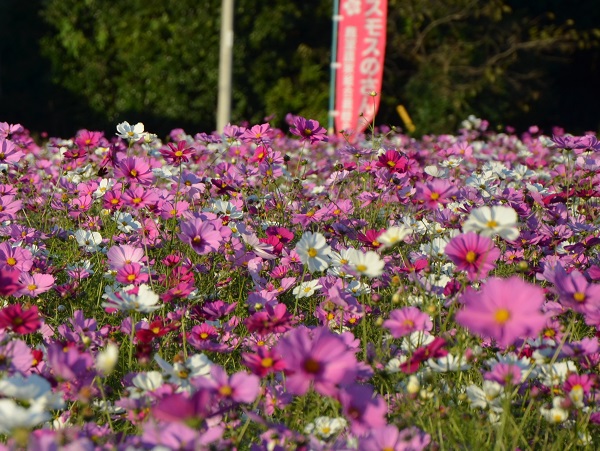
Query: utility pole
{"type": "Point", "coordinates": [225, 63]}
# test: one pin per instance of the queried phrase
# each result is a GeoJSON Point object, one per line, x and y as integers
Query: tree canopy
{"type": "Point", "coordinates": [93, 63]}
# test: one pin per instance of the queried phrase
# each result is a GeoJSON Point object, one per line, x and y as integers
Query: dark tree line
{"type": "Point", "coordinates": [68, 64]}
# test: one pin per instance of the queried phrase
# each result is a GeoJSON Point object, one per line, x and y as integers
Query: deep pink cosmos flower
{"type": "Point", "coordinates": [505, 309]}
{"type": "Point", "coordinates": [18, 320]}
{"type": "Point", "coordinates": [263, 362]}
{"type": "Point", "coordinates": [309, 130]}
{"type": "Point", "coordinates": [201, 235]}
{"type": "Point", "coordinates": [273, 319]}
{"type": "Point", "coordinates": [319, 357]}
{"type": "Point", "coordinates": [176, 154]}
{"type": "Point", "coordinates": [473, 253]}
{"type": "Point", "coordinates": [138, 197]}
{"type": "Point", "coordinates": [393, 161]}
{"type": "Point", "coordinates": [131, 273]}
{"type": "Point", "coordinates": [433, 350]}
{"type": "Point", "coordinates": [406, 321]}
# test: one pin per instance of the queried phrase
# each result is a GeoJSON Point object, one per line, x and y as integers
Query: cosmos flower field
{"type": "Point", "coordinates": [274, 289]}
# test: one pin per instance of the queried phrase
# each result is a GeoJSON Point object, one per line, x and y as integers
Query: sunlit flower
{"type": "Point", "coordinates": [491, 221]}
{"type": "Point", "coordinates": [130, 132]}
{"type": "Point", "coordinates": [143, 301]}
{"type": "Point", "coordinates": [306, 289]}
{"type": "Point", "coordinates": [313, 251]}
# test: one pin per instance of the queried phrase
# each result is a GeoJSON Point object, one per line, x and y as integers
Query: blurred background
{"type": "Point", "coordinates": [71, 64]}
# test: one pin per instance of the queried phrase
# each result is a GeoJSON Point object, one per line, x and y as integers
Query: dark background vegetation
{"type": "Point", "coordinates": [70, 64]}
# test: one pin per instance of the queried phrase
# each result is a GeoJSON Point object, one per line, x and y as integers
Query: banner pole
{"type": "Point", "coordinates": [333, 67]}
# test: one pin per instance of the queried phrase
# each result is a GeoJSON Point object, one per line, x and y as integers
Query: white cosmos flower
{"type": "Point", "coordinates": [490, 396]}
{"type": "Point", "coordinates": [33, 389]}
{"type": "Point", "coordinates": [556, 414]}
{"type": "Point", "coordinates": [313, 251]}
{"type": "Point", "coordinates": [180, 374]}
{"type": "Point", "coordinates": [306, 289]}
{"type": "Point", "coordinates": [148, 381]}
{"type": "Point", "coordinates": [368, 264]}
{"type": "Point", "coordinates": [106, 360]}
{"type": "Point", "coordinates": [448, 363]}
{"type": "Point", "coordinates": [90, 241]}
{"type": "Point", "coordinates": [492, 221]}
{"type": "Point", "coordinates": [13, 416]}
{"type": "Point", "coordinates": [357, 288]}
{"type": "Point", "coordinates": [394, 235]}
{"type": "Point", "coordinates": [325, 427]}
{"type": "Point", "coordinates": [130, 132]}
{"type": "Point", "coordinates": [144, 302]}
{"type": "Point", "coordinates": [224, 207]}
{"type": "Point", "coordinates": [125, 222]}
{"type": "Point", "coordinates": [104, 186]}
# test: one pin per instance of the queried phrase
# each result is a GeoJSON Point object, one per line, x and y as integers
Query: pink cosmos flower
{"type": "Point", "coordinates": [473, 253]}
{"type": "Point", "coordinates": [257, 134]}
{"type": "Point", "coordinates": [406, 321]}
{"type": "Point", "coordinates": [389, 438]}
{"type": "Point", "coordinates": [9, 207]}
{"type": "Point", "coordinates": [9, 281]}
{"type": "Point", "coordinates": [263, 362]}
{"type": "Point", "coordinates": [364, 410]}
{"type": "Point", "coordinates": [504, 373]}
{"type": "Point", "coordinates": [575, 292]}
{"type": "Point", "coordinates": [393, 161]}
{"type": "Point", "coordinates": [176, 154]}
{"type": "Point", "coordinates": [319, 357]}
{"type": "Point", "coordinates": [119, 256]}
{"type": "Point", "coordinates": [201, 235]}
{"type": "Point", "coordinates": [131, 273]}
{"type": "Point", "coordinates": [15, 257]}
{"type": "Point", "coordinates": [138, 197]}
{"type": "Point", "coordinates": [9, 153]}
{"type": "Point", "coordinates": [505, 309]}
{"type": "Point", "coordinates": [239, 387]}
{"type": "Point", "coordinates": [18, 320]}
{"type": "Point", "coordinates": [134, 170]}
{"type": "Point", "coordinates": [436, 193]}
{"type": "Point", "coordinates": [35, 284]}
{"type": "Point", "coordinates": [309, 130]}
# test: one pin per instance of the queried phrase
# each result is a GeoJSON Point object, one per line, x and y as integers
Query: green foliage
{"type": "Point", "coordinates": [137, 58]}
{"type": "Point", "coordinates": [460, 57]}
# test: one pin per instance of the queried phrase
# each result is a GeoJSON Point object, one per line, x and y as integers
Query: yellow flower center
{"type": "Point", "coordinates": [471, 257]}
{"type": "Point", "coordinates": [225, 390]}
{"type": "Point", "coordinates": [312, 252]}
{"type": "Point", "coordinates": [32, 287]}
{"type": "Point", "coordinates": [491, 224]}
{"type": "Point", "coordinates": [502, 316]}
{"type": "Point", "coordinates": [434, 196]}
{"type": "Point", "coordinates": [579, 296]}
{"type": "Point", "coordinates": [267, 362]}
{"type": "Point", "coordinates": [11, 261]}
{"type": "Point", "coordinates": [131, 277]}
{"type": "Point", "coordinates": [361, 268]}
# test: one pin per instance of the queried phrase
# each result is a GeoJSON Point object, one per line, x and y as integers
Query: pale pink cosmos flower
{"type": "Point", "coordinates": [119, 256]}
{"type": "Point", "coordinates": [35, 284]}
{"type": "Point", "coordinates": [15, 257]}
{"type": "Point", "coordinates": [505, 309]}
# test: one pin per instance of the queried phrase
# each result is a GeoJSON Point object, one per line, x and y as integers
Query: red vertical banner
{"type": "Point", "coordinates": [360, 54]}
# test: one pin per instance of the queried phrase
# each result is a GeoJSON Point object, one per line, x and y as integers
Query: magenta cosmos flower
{"type": "Point", "coordinates": [436, 193]}
{"type": "Point", "coordinates": [18, 320]}
{"type": "Point", "coordinates": [309, 130]}
{"type": "Point", "coordinates": [473, 253]}
{"type": "Point", "coordinates": [505, 310]}
{"type": "Point", "coordinates": [201, 235]}
{"type": "Point", "coordinates": [406, 321]}
{"type": "Point", "coordinates": [317, 356]}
